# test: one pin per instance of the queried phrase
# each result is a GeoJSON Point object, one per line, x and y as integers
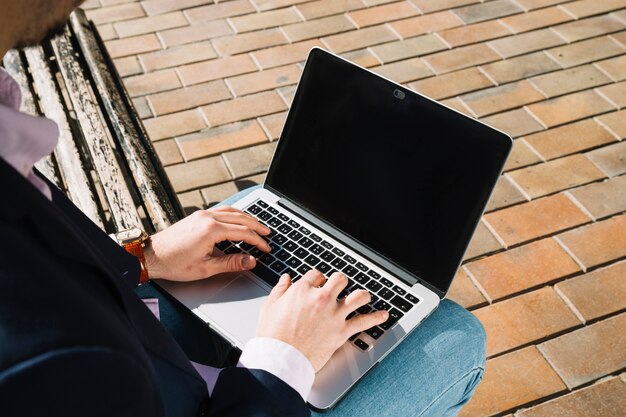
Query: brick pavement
{"type": "Point", "coordinates": [546, 270]}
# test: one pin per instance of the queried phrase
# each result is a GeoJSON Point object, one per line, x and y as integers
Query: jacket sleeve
{"type": "Point", "coordinates": [243, 392]}
{"type": "Point", "coordinates": [79, 381]}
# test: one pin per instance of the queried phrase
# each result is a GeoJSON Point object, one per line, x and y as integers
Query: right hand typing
{"type": "Point", "coordinates": [308, 316]}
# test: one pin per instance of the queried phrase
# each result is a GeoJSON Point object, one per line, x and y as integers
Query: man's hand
{"type": "Point", "coordinates": [308, 316]}
{"type": "Point", "coordinates": [185, 250]}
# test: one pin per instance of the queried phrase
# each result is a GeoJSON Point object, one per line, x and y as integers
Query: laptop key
{"type": "Point", "coordinates": [312, 260]}
{"type": "Point", "coordinates": [256, 252]}
{"type": "Point", "coordinates": [283, 217]}
{"type": "Point", "coordinates": [285, 229]}
{"type": "Point", "coordinates": [290, 246]}
{"type": "Point", "coordinates": [274, 222]}
{"type": "Point", "coordinates": [301, 253]}
{"type": "Point", "coordinates": [304, 230]}
{"type": "Point", "coordinates": [323, 267]}
{"type": "Point", "coordinates": [412, 298]}
{"type": "Point", "coordinates": [339, 263]}
{"type": "Point", "coordinates": [386, 293]}
{"type": "Point", "coordinates": [382, 305]}
{"type": "Point", "coordinates": [399, 290]}
{"type": "Point", "coordinates": [386, 282]}
{"type": "Point", "coordinates": [401, 303]}
{"type": "Point", "coordinates": [262, 204]}
{"type": "Point", "coordinates": [295, 235]}
{"type": "Point", "coordinates": [303, 269]}
{"type": "Point", "coordinates": [283, 255]}
{"type": "Point", "coordinates": [327, 256]}
{"type": "Point", "coordinates": [374, 286]}
{"type": "Point", "coordinates": [361, 345]}
{"type": "Point", "coordinates": [349, 259]}
{"type": "Point", "coordinates": [267, 259]}
{"type": "Point", "coordinates": [266, 274]}
{"type": "Point", "coordinates": [278, 266]}
{"type": "Point", "coordinates": [254, 209]}
{"type": "Point", "coordinates": [354, 336]}
{"type": "Point", "coordinates": [223, 245]}
{"type": "Point", "coordinates": [264, 215]}
{"type": "Point", "coordinates": [363, 309]}
{"type": "Point", "coordinates": [233, 249]}
{"type": "Point", "coordinates": [350, 271]}
{"type": "Point", "coordinates": [361, 278]}
{"type": "Point", "coordinates": [338, 252]}
{"type": "Point", "coordinates": [294, 262]}
{"type": "Point", "coordinates": [294, 224]}
{"type": "Point", "coordinates": [326, 245]}
{"type": "Point", "coordinates": [280, 239]}
{"type": "Point", "coordinates": [394, 316]}
{"type": "Point", "coordinates": [374, 332]}
{"type": "Point", "coordinates": [315, 237]}
{"type": "Point", "coordinates": [362, 267]}
{"type": "Point", "coordinates": [305, 242]}
{"type": "Point", "coordinates": [272, 210]}
{"type": "Point", "coordinates": [316, 249]}
{"type": "Point", "coordinates": [374, 274]}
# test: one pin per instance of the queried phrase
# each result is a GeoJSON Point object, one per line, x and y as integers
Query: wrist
{"type": "Point", "coordinates": [152, 261]}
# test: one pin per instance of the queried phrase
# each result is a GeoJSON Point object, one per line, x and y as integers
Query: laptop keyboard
{"type": "Point", "coordinates": [296, 250]}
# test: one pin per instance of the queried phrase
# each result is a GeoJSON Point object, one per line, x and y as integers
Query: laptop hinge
{"type": "Point", "coordinates": [353, 244]}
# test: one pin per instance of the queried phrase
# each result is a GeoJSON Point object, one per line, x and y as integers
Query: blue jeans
{"type": "Point", "coordinates": [433, 372]}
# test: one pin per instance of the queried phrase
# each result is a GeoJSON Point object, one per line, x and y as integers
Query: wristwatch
{"type": "Point", "coordinates": [134, 240]}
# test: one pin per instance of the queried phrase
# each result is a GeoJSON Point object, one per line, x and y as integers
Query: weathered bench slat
{"type": "Point", "coordinates": [118, 196]}
{"type": "Point", "coordinates": [14, 66]}
{"type": "Point", "coordinates": [70, 164]}
{"type": "Point", "coordinates": [159, 198]}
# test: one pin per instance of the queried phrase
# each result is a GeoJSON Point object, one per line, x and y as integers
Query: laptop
{"type": "Point", "coordinates": [371, 179]}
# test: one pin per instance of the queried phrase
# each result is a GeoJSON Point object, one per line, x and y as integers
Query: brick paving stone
{"type": "Point", "coordinates": [404, 71]}
{"type": "Point", "coordinates": [537, 4]}
{"type": "Point", "coordinates": [287, 93]}
{"type": "Point", "coordinates": [429, 6]}
{"type": "Point", "coordinates": [521, 155]}
{"type": "Point", "coordinates": [597, 243]}
{"type": "Point", "coordinates": [482, 242]}
{"type": "Point", "coordinates": [350, 41]}
{"type": "Point", "coordinates": [221, 139]}
{"type": "Point", "coordinates": [568, 139]}
{"type": "Point", "coordinates": [521, 67]}
{"type": "Point", "coordinates": [150, 24]}
{"type": "Point", "coordinates": [620, 38]}
{"type": "Point", "coordinates": [216, 193]}
{"type": "Point", "coordinates": [251, 181]}
{"type": "Point", "coordinates": [522, 268]}
{"type": "Point", "coordinates": [588, 353]}
{"type": "Point", "coordinates": [421, 45]}
{"type": "Point", "coordinates": [604, 198]}
{"type": "Point", "coordinates": [614, 67]}
{"type": "Point", "coordinates": [283, 55]}
{"type": "Point", "coordinates": [168, 152]}
{"type": "Point", "coordinates": [321, 8]}
{"type": "Point", "coordinates": [115, 13]}
{"type": "Point", "coordinates": [463, 57]}
{"type": "Point", "coordinates": [527, 318]}
{"type": "Point", "coordinates": [264, 20]}
{"type": "Point", "coordinates": [246, 42]}
{"type": "Point", "coordinates": [130, 46]}
{"type": "Point", "coordinates": [515, 122]}
{"type": "Point", "coordinates": [142, 108]}
{"type": "Point", "coordinates": [362, 57]}
{"type": "Point", "coordinates": [474, 33]}
{"type": "Point", "coordinates": [215, 69]}
{"type": "Point", "coordinates": [107, 32]}
{"type": "Point", "coordinates": [452, 83]}
{"type": "Point", "coordinates": [273, 124]}
{"type": "Point", "coordinates": [526, 42]}
{"type": "Point", "coordinates": [242, 108]}
{"type": "Point", "coordinates": [463, 291]}
{"type": "Point", "coordinates": [174, 124]}
{"type": "Point", "coordinates": [615, 122]}
{"type": "Point", "coordinates": [607, 398]}
{"type": "Point", "coordinates": [503, 97]}
{"type": "Point", "coordinates": [589, 28]}
{"type": "Point", "coordinates": [128, 66]}
{"type": "Point", "coordinates": [569, 80]}
{"type": "Point", "coordinates": [536, 19]}
{"type": "Point", "coordinates": [535, 219]}
{"type": "Point", "coordinates": [189, 97]}
{"type": "Point", "coordinates": [189, 34]}
{"type": "Point", "coordinates": [317, 28]}
{"type": "Point", "coordinates": [556, 175]}
{"type": "Point", "coordinates": [611, 159]}
{"type": "Point", "coordinates": [426, 24]}
{"type": "Point", "coordinates": [615, 93]}
{"type": "Point", "coordinates": [586, 51]}
{"type": "Point", "coordinates": [487, 11]}
{"type": "Point", "coordinates": [504, 194]}
{"type": "Point", "coordinates": [381, 14]}
{"type": "Point", "coordinates": [191, 201]}
{"type": "Point", "coordinates": [598, 293]}
{"type": "Point", "coordinates": [250, 161]}
{"type": "Point", "coordinates": [456, 104]}
{"type": "Point", "coordinates": [264, 80]}
{"type": "Point", "coordinates": [512, 380]}
{"type": "Point", "coordinates": [196, 174]}
{"type": "Point", "coordinates": [153, 82]}
{"type": "Point", "coordinates": [263, 5]}
{"type": "Point", "coordinates": [585, 8]}
{"type": "Point", "coordinates": [219, 11]}
{"type": "Point", "coordinates": [153, 7]}
{"type": "Point", "coordinates": [569, 108]}
{"type": "Point", "coordinates": [179, 55]}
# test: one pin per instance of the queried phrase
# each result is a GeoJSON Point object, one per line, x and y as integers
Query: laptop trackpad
{"type": "Point", "coordinates": [235, 309]}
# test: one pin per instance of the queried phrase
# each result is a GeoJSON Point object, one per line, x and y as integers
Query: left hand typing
{"type": "Point", "coordinates": [185, 250]}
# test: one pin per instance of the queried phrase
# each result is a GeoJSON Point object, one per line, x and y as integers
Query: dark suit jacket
{"type": "Point", "coordinates": [76, 340]}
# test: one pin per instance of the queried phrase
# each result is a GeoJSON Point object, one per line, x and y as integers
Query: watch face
{"type": "Point", "coordinates": [129, 235]}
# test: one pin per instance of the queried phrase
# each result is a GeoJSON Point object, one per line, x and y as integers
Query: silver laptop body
{"type": "Point", "coordinates": [340, 113]}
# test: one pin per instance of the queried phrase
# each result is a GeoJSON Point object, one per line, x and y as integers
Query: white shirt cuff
{"type": "Point", "coordinates": [281, 360]}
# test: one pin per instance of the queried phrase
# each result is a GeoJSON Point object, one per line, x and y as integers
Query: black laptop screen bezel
{"type": "Point", "coordinates": [499, 141]}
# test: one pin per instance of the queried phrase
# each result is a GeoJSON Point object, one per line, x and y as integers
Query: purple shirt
{"type": "Point", "coordinates": [25, 139]}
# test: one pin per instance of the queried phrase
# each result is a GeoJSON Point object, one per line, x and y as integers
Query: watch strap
{"type": "Point", "coordinates": [136, 248]}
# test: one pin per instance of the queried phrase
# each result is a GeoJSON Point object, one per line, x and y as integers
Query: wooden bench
{"type": "Point", "coordinates": [104, 161]}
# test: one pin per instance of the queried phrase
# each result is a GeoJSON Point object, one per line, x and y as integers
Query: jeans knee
{"type": "Point", "coordinates": [473, 341]}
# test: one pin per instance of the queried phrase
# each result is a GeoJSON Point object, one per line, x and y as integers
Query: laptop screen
{"type": "Point", "coordinates": [403, 175]}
